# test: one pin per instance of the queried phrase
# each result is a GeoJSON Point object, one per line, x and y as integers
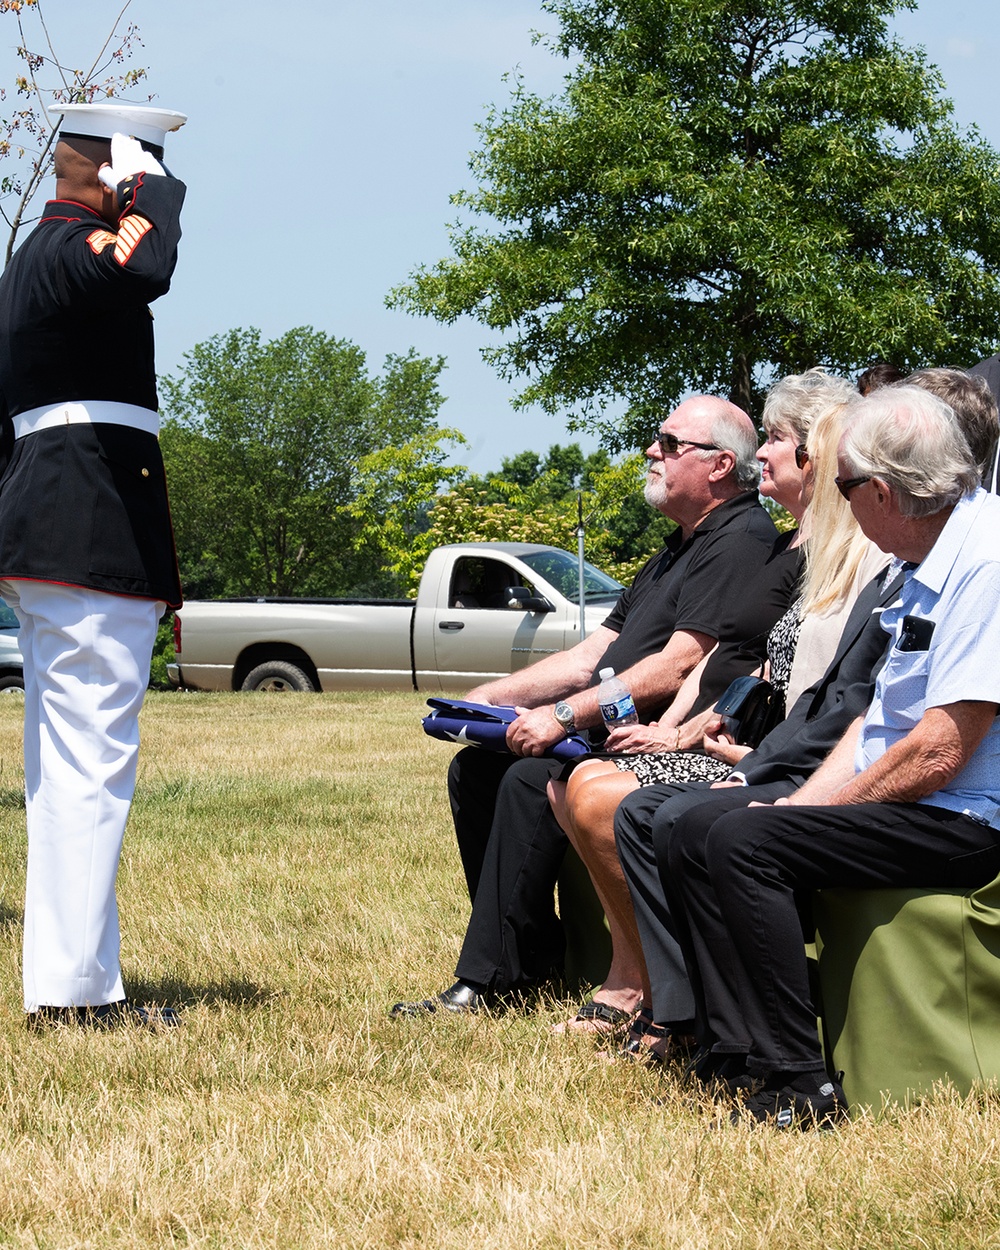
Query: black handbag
{"type": "Point", "coordinates": [750, 708]}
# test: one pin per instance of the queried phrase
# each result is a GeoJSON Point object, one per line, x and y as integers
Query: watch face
{"type": "Point", "coordinates": [563, 713]}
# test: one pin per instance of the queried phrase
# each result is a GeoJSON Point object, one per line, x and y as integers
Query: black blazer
{"type": "Point", "coordinates": [793, 750]}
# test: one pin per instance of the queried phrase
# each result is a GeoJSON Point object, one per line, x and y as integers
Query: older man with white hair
{"type": "Point", "coordinates": [714, 583]}
{"type": "Point", "coordinates": [910, 796]}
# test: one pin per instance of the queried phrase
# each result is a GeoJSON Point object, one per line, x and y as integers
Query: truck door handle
{"type": "Point", "coordinates": [451, 625]}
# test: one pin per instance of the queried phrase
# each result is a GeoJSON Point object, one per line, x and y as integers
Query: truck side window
{"type": "Point", "coordinates": [480, 583]}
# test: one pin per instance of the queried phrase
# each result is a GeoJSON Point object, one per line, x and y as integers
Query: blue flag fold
{"type": "Point", "coordinates": [480, 725]}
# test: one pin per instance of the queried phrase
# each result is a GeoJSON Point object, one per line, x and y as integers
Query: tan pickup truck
{"type": "Point", "coordinates": [482, 610]}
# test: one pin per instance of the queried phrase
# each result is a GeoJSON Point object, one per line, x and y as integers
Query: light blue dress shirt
{"type": "Point", "coordinates": [954, 594]}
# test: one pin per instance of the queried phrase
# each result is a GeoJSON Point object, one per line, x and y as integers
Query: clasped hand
{"type": "Point", "coordinates": [641, 739]}
{"type": "Point", "coordinates": [534, 731]}
{"type": "Point", "coordinates": [720, 746]}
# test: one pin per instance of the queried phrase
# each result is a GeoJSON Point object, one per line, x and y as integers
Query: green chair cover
{"type": "Point", "coordinates": [910, 983]}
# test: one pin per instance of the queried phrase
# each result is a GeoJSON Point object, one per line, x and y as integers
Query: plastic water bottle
{"type": "Point", "coordinates": [615, 698]}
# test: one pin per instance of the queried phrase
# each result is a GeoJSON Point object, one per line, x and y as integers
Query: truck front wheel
{"type": "Point", "coordinates": [277, 676]}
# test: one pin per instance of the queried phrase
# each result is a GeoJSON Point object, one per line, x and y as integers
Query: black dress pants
{"type": "Point", "coordinates": [512, 849]}
{"type": "Point", "coordinates": [679, 837]}
{"type": "Point", "coordinates": [474, 777]}
{"type": "Point", "coordinates": [643, 816]}
{"type": "Point", "coordinates": [759, 861]}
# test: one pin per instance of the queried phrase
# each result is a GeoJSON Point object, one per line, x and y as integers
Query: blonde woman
{"type": "Point", "coordinates": [839, 561]}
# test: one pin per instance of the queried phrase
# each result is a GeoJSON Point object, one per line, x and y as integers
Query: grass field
{"type": "Point", "coordinates": [289, 872]}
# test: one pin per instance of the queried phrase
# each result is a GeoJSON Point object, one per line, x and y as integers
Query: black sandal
{"type": "Point", "coordinates": [605, 1019]}
{"type": "Point", "coordinates": [637, 1045]}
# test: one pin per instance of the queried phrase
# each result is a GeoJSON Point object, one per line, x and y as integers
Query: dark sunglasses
{"type": "Point", "coordinates": [670, 442]}
{"type": "Point", "coordinates": [846, 485]}
{"type": "Point", "coordinates": [801, 456]}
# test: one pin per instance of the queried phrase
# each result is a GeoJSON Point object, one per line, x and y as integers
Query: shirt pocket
{"type": "Point", "coordinates": [904, 687]}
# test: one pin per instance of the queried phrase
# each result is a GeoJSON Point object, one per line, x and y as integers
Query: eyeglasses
{"type": "Point", "coordinates": [846, 485]}
{"type": "Point", "coordinates": [670, 442]}
{"type": "Point", "coordinates": [801, 456]}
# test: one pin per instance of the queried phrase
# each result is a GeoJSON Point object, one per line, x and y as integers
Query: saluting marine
{"type": "Point", "coordinates": [87, 556]}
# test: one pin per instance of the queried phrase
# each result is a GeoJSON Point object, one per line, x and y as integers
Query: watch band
{"type": "Point", "coordinates": [564, 715]}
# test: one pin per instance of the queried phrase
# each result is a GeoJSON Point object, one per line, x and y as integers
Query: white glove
{"type": "Point", "coordinates": [128, 157]}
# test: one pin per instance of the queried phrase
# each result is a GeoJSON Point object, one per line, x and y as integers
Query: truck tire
{"type": "Point", "coordinates": [277, 676]}
{"type": "Point", "coordinates": [11, 681]}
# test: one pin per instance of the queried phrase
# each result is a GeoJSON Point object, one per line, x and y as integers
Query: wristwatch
{"type": "Point", "coordinates": [564, 715]}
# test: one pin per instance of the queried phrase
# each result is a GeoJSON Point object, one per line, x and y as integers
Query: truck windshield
{"type": "Point", "coordinates": [560, 570]}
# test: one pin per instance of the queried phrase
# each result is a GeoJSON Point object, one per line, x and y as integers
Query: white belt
{"type": "Point", "coordinates": [88, 412]}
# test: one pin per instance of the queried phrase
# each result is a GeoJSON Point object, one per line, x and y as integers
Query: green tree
{"type": "Point", "coordinates": [396, 487]}
{"type": "Point", "coordinates": [27, 140]}
{"type": "Point", "coordinates": [263, 441]}
{"type": "Point", "coordinates": [561, 471]}
{"type": "Point", "coordinates": [727, 190]}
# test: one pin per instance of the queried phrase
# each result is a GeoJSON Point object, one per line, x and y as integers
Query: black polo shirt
{"type": "Point", "coordinates": [705, 584]}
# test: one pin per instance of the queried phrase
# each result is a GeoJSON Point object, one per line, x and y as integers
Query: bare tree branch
{"type": "Point", "coordinates": [72, 86]}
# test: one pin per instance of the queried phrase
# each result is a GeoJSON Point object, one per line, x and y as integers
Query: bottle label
{"type": "Point", "coordinates": [621, 709]}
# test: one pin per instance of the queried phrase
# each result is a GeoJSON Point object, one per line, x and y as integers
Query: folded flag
{"type": "Point", "coordinates": [480, 725]}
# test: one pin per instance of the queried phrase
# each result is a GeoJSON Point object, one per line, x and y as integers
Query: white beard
{"type": "Point", "coordinates": [655, 492]}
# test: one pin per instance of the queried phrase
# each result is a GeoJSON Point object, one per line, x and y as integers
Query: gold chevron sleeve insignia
{"type": "Point", "coordinates": [100, 239]}
{"type": "Point", "coordinates": [130, 233]}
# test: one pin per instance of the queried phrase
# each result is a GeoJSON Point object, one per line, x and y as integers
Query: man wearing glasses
{"type": "Point", "coordinates": [708, 587]}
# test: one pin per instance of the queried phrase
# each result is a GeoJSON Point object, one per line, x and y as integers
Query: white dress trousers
{"type": "Point", "coordinates": [86, 668]}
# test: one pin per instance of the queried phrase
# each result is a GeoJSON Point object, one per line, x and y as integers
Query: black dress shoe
{"type": "Point", "coordinates": [460, 998]}
{"type": "Point", "coordinates": [121, 1014]}
{"type": "Point", "coordinates": [718, 1069]}
{"type": "Point", "coordinates": [790, 1108]}
{"type": "Point", "coordinates": [154, 1017]}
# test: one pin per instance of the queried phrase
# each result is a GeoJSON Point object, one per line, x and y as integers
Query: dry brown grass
{"type": "Point", "coordinates": [289, 871]}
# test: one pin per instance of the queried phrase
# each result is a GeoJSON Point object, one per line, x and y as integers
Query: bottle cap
{"type": "Point", "coordinates": [605, 673]}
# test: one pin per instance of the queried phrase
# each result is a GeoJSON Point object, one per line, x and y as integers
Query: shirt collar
{"type": "Point", "coordinates": [933, 570]}
{"type": "Point", "coordinates": [66, 210]}
{"type": "Point", "coordinates": [725, 511]}
{"type": "Point", "coordinates": [720, 514]}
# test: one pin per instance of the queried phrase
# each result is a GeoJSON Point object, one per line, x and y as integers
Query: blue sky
{"type": "Point", "coordinates": [325, 138]}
